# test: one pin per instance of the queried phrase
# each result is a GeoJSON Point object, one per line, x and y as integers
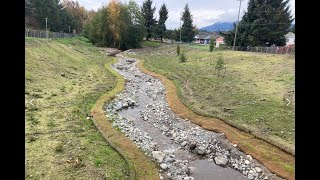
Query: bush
{"type": "Point", "coordinates": [178, 50]}
{"type": "Point", "coordinates": [211, 47]}
{"type": "Point", "coordinates": [220, 64]}
{"type": "Point", "coordinates": [183, 57]}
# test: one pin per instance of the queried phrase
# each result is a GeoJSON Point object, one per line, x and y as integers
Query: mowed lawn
{"type": "Point", "coordinates": [63, 79]}
{"type": "Point", "coordinates": [252, 95]}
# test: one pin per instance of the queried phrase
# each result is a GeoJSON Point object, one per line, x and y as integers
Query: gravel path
{"type": "Point", "coordinates": [182, 150]}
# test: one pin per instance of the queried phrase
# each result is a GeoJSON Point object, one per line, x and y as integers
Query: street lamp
{"type": "Point", "coordinates": [46, 28]}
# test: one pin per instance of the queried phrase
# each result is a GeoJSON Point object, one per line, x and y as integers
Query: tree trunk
{"type": "Point", "coordinates": [161, 39]}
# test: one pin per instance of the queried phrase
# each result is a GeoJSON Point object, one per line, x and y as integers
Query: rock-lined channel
{"type": "Point", "coordinates": [182, 150]}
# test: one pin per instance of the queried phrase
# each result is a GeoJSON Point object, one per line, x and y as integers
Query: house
{"type": "Point", "coordinates": [202, 39]}
{"type": "Point", "coordinates": [290, 38]}
{"type": "Point", "coordinates": [219, 40]}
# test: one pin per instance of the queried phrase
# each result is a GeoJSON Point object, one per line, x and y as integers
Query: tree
{"type": "Point", "coordinates": [183, 57]}
{"type": "Point", "coordinates": [133, 36]}
{"type": "Point", "coordinates": [178, 50]}
{"type": "Point", "coordinates": [265, 23]}
{"type": "Point", "coordinates": [219, 65]}
{"type": "Point", "coordinates": [211, 47]}
{"type": "Point", "coordinates": [114, 10]}
{"type": "Point", "coordinates": [187, 30]}
{"type": "Point", "coordinates": [78, 12]}
{"type": "Point", "coordinates": [163, 16]}
{"type": "Point", "coordinates": [150, 21]}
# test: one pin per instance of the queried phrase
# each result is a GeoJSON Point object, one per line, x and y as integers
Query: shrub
{"type": "Point", "coordinates": [220, 64]}
{"type": "Point", "coordinates": [183, 57]}
{"type": "Point", "coordinates": [211, 47]}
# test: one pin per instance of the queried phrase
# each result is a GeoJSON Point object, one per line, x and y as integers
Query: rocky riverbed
{"type": "Point", "coordinates": [182, 150]}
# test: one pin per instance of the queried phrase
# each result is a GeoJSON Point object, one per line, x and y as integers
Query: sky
{"type": "Point", "coordinates": [204, 12]}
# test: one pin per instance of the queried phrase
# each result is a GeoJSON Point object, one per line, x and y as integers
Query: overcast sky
{"type": "Point", "coordinates": [205, 12]}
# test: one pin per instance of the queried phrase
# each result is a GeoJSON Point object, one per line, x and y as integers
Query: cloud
{"type": "Point", "coordinates": [205, 12]}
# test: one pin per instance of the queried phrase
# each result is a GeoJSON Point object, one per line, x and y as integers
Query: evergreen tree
{"type": "Point", "coordinates": [187, 30]}
{"type": "Point", "coordinates": [211, 47]}
{"type": "Point", "coordinates": [150, 21]}
{"type": "Point", "coordinates": [178, 50]}
{"type": "Point", "coordinates": [265, 23]}
{"type": "Point", "coordinates": [163, 16]}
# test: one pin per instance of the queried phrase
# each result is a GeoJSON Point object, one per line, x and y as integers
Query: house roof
{"type": "Point", "coordinates": [200, 36]}
{"type": "Point", "coordinates": [290, 35]}
{"type": "Point", "coordinates": [220, 39]}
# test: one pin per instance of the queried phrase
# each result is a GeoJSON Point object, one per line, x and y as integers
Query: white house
{"type": "Point", "coordinates": [290, 38]}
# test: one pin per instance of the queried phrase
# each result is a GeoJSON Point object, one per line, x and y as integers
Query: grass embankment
{"type": "Point", "coordinates": [63, 79]}
{"type": "Point", "coordinates": [249, 97]}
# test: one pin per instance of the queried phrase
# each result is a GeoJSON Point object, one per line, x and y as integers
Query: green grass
{"type": "Point", "coordinates": [60, 142]}
{"type": "Point", "coordinates": [153, 44]}
{"type": "Point", "coordinates": [248, 96]}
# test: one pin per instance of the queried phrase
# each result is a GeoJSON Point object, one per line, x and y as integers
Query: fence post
{"type": "Point", "coordinates": [287, 50]}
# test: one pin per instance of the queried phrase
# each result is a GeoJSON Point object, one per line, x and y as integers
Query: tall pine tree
{"type": "Point", "coordinates": [150, 21]}
{"type": "Point", "coordinates": [187, 29]}
{"type": "Point", "coordinates": [265, 23]}
{"type": "Point", "coordinates": [163, 16]}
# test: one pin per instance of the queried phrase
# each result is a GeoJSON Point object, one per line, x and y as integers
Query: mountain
{"type": "Point", "coordinates": [221, 26]}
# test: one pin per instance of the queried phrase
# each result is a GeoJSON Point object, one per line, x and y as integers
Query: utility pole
{"type": "Point", "coordinates": [180, 30]}
{"type": "Point", "coordinates": [46, 28]}
{"type": "Point", "coordinates": [235, 35]}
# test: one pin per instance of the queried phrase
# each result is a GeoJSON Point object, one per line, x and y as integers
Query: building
{"type": "Point", "coordinates": [202, 39]}
{"type": "Point", "coordinates": [219, 40]}
{"type": "Point", "coordinates": [290, 38]}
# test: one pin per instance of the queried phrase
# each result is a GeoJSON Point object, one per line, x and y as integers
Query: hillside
{"type": "Point", "coordinates": [63, 79]}
{"type": "Point", "coordinates": [221, 26]}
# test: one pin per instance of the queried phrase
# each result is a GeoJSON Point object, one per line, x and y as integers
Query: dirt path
{"type": "Point", "coordinates": [183, 150]}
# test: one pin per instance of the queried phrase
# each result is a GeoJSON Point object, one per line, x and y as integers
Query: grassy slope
{"type": "Point", "coordinates": [238, 97]}
{"type": "Point", "coordinates": [159, 61]}
{"type": "Point", "coordinates": [60, 142]}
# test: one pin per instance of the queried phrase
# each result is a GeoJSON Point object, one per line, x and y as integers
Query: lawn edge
{"type": "Point", "coordinates": [140, 166]}
{"type": "Point", "coordinates": [234, 135]}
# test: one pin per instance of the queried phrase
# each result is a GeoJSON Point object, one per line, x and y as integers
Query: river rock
{"type": "Point", "coordinates": [188, 178]}
{"type": "Point", "coordinates": [158, 155]}
{"type": "Point", "coordinates": [250, 176]}
{"type": "Point", "coordinates": [201, 150]}
{"type": "Point", "coordinates": [193, 145]}
{"type": "Point", "coordinates": [219, 160]}
{"type": "Point", "coordinates": [184, 143]}
{"type": "Point", "coordinates": [249, 157]}
{"type": "Point", "coordinates": [258, 170]}
{"type": "Point", "coordinates": [247, 162]}
{"type": "Point", "coordinates": [164, 166]}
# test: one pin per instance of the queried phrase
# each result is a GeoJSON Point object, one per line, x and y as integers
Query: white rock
{"type": "Point", "coordinates": [158, 155]}
{"type": "Point", "coordinates": [259, 170]}
{"type": "Point", "coordinates": [249, 157]}
{"type": "Point", "coordinates": [247, 162]}
{"type": "Point", "coordinates": [184, 143]}
{"type": "Point", "coordinates": [164, 166]}
{"type": "Point", "coordinates": [219, 160]}
{"type": "Point", "coordinates": [250, 176]}
{"type": "Point", "coordinates": [235, 145]}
